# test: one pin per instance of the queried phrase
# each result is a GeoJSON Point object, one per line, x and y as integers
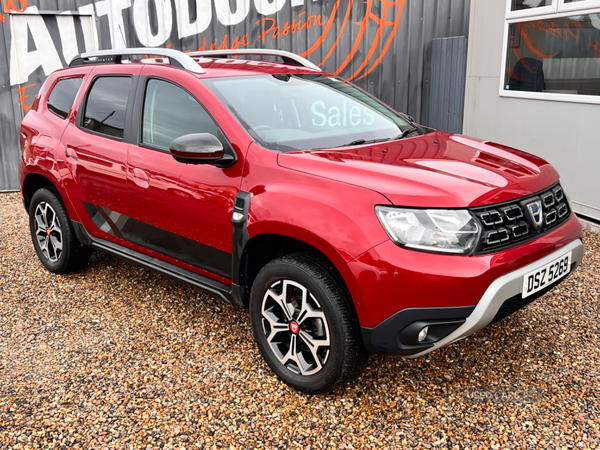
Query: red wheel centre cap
{"type": "Point", "coordinates": [48, 232]}
{"type": "Point", "coordinates": [294, 327]}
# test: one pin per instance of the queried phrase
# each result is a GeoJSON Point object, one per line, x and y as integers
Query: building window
{"type": "Point", "coordinates": [554, 55]}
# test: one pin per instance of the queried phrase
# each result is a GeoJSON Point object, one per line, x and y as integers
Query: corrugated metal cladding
{"type": "Point", "coordinates": [447, 86]}
{"type": "Point", "coordinates": [382, 45]}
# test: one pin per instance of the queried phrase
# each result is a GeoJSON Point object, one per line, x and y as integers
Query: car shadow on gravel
{"type": "Point", "coordinates": [508, 346]}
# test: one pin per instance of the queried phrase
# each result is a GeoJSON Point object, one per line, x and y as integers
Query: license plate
{"type": "Point", "coordinates": [546, 275]}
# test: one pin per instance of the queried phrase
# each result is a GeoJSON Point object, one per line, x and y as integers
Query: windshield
{"type": "Point", "coordinates": [303, 112]}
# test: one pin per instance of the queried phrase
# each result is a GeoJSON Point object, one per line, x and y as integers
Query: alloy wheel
{"type": "Point", "coordinates": [295, 327]}
{"type": "Point", "coordinates": [48, 232]}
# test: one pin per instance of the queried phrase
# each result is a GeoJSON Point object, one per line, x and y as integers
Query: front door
{"type": "Point", "coordinates": [180, 210]}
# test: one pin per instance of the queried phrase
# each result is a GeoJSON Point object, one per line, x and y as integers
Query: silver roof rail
{"type": "Point", "coordinates": [288, 57]}
{"type": "Point", "coordinates": [179, 59]}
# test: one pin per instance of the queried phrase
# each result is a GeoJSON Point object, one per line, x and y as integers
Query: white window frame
{"type": "Point", "coordinates": [577, 6]}
{"type": "Point", "coordinates": [520, 14]}
{"type": "Point", "coordinates": [557, 10]}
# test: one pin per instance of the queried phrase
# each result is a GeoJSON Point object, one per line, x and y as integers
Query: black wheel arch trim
{"type": "Point", "coordinates": [241, 237]}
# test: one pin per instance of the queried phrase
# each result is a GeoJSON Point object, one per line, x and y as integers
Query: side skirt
{"type": "Point", "coordinates": [166, 269]}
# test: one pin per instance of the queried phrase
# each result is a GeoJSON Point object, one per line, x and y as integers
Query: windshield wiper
{"type": "Point", "coordinates": [405, 133]}
{"type": "Point", "coordinates": [372, 141]}
{"type": "Point", "coordinates": [356, 142]}
{"type": "Point", "coordinates": [360, 142]}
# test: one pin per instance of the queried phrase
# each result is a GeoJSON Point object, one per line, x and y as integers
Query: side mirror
{"type": "Point", "coordinates": [200, 148]}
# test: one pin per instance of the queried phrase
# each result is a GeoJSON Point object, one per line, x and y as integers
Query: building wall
{"type": "Point", "coordinates": [564, 133]}
{"type": "Point", "coordinates": [382, 45]}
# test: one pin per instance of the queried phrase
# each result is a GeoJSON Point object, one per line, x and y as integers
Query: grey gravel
{"type": "Point", "coordinates": [118, 357]}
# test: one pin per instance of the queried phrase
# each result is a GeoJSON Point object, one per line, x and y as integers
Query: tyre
{"type": "Point", "coordinates": [305, 325]}
{"type": "Point", "coordinates": [55, 242]}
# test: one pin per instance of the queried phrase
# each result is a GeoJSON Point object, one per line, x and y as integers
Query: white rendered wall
{"type": "Point", "coordinates": [565, 134]}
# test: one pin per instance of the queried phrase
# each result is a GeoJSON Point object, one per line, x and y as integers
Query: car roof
{"type": "Point", "coordinates": [227, 67]}
{"type": "Point", "coordinates": [213, 67]}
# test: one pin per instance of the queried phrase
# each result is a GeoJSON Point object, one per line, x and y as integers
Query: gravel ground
{"type": "Point", "coordinates": [118, 357]}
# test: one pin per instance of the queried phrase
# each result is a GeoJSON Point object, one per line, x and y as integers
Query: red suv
{"type": "Point", "coordinates": [344, 227]}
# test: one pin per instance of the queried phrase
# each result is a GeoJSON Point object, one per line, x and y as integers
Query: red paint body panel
{"type": "Point", "coordinates": [437, 170]}
{"type": "Point", "coordinates": [334, 217]}
{"type": "Point", "coordinates": [192, 201]}
{"type": "Point", "coordinates": [40, 121]}
{"type": "Point", "coordinates": [388, 278]}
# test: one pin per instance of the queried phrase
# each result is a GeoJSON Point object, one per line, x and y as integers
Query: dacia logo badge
{"type": "Point", "coordinates": [534, 209]}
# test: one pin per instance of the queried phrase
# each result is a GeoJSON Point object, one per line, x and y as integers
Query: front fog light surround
{"type": "Point", "coordinates": [437, 230]}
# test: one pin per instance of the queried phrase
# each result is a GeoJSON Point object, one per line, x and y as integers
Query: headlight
{"type": "Point", "coordinates": [437, 230]}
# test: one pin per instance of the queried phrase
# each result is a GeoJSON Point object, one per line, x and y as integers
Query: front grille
{"type": "Point", "coordinates": [508, 224]}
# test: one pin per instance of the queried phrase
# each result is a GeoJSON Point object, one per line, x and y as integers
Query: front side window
{"type": "Point", "coordinates": [303, 112]}
{"type": "Point", "coordinates": [558, 55]}
{"type": "Point", "coordinates": [106, 106]}
{"type": "Point", "coordinates": [171, 112]}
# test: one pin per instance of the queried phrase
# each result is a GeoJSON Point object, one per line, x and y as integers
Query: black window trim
{"type": "Point", "coordinates": [138, 122]}
{"type": "Point", "coordinates": [81, 113]}
{"type": "Point", "coordinates": [58, 80]}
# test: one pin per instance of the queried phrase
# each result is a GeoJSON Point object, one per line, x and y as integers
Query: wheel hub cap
{"type": "Point", "coordinates": [294, 327]}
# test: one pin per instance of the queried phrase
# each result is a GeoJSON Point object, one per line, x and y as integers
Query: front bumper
{"type": "Point", "coordinates": [397, 334]}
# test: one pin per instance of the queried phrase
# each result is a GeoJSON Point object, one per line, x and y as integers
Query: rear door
{"type": "Point", "coordinates": [96, 150]}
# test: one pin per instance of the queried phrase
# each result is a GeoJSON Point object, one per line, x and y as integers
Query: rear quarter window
{"type": "Point", "coordinates": [62, 96]}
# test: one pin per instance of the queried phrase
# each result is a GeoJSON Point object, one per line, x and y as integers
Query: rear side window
{"type": "Point", "coordinates": [170, 112]}
{"type": "Point", "coordinates": [106, 105]}
{"type": "Point", "coordinates": [62, 96]}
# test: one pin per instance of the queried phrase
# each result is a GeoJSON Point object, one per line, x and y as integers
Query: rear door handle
{"type": "Point", "coordinates": [141, 178]}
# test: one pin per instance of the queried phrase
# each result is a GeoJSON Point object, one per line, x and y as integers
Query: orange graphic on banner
{"type": "Point", "coordinates": [325, 31]}
{"type": "Point", "coordinates": [287, 29]}
{"type": "Point", "coordinates": [22, 97]}
{"type": "Point", "coordinates": [382, 24]}
{"type": "Point", "coordinates": [224, 44]}
{"type": "Point", "coordinates": [340, 33]}
{"type": "Point", "coordinates": [10, 5]}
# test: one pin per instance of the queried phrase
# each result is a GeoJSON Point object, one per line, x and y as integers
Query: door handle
{"type": "Point", "coordinates": [141, 178]}
{"type": "Point", "coordinates": [71, 155]}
